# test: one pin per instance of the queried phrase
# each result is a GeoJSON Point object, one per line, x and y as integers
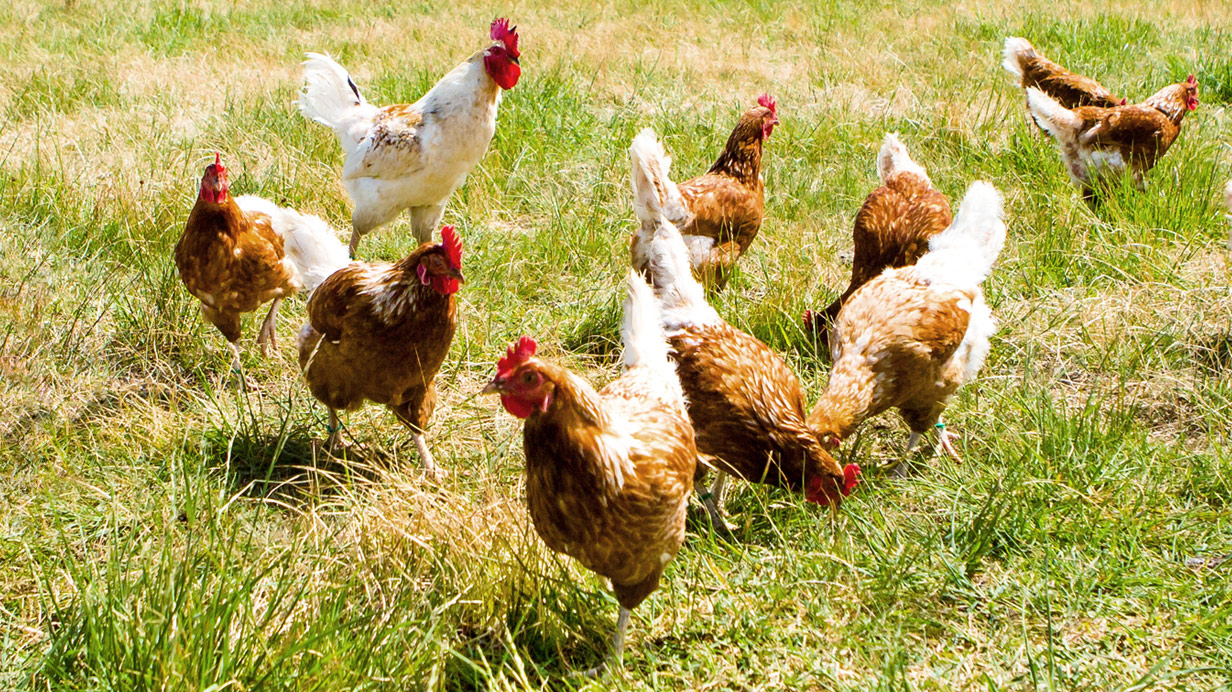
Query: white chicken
{"type": "Point", "coordinates": [412, 156]}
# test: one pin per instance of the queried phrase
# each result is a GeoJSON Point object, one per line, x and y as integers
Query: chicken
{"type": "Point", "coordinates": [1069, 89]}
{"type": "Point", "coordinates": [1100, 143]}
{"type": "Point", "coordinates": [237, 253]}
{"type": "Point", "coordinates": [910, 337]}
{"type": "Point", "coordinates": [380, 332]}
{"type": "Point", "coordinates": [893, 226]}
{"type": "Point", "coordinates": [718, 213]}
{"type": "Point", "coordinates": [412, 156]}
{"type": "Point", "coordinates": [608, 473]}
{"type": "Point", "coordinates": [746, 404]}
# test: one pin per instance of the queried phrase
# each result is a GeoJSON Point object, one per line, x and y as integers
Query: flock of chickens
{"type": "Point", "coordinates": [610, 471]}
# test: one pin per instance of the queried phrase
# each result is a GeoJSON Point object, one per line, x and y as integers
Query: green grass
{"type": "Point", "coordinates": [160, 530]}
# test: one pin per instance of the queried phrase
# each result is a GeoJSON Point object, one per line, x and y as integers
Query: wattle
{"type": "Point", "coordinates": [444, 285]}
{"type": "Point", "coordinates": [517, 407]}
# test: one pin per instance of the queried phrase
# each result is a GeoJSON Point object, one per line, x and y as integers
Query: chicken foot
{"type": "Point", "coordinates": [713, 501]}
{"type": "Point", "coordinates": [266, 337]}
{"type": "Point", "coordinates": [616, 655]}
{"type": "Point", "coordinates": [243, 381]}
{"type": "Point", "coordinates": [434, 472]}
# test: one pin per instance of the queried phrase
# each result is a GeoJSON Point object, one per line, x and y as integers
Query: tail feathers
{"type": "Point", "coordinates": [1057, 120]}
{"type": "Point", "coordinates": [964, 253]}
{"type": "Point", "coordinates": [1016, 50]}
{"type": "Point", "coordinates": [329, 93]}
{"type": "Point", "coordinates": [654, 192]}
{"type": "Point", "coordinates": [893, 158]}
{"type": "Point", "coordinates": [313, 251]}
{"type": "Point", "coordinates": [642, 330]}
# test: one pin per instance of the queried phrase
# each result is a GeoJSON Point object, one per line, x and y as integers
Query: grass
{"type": "Point", "coordinates": [160, 530]}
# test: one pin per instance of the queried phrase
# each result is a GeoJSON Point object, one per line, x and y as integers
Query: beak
{"type": "Point", "coordinates": [456, 274]}
{"type": "Point", "coordinates": [515, 60]}
{"type": "Point", "coordinates": [492, 387]}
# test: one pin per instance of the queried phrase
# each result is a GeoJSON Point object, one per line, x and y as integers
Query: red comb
{"type": "Point", "coordinates": [1124, 101]}
{"type": "Point", "coordinates": [453, 246]}
{"type": "Point", "coordinates": [851, 478]}
{"type": "Point", "coordinates": [516, 355]}
{"type": "Point", "coordinates": [767, 101]}
{"type": "Point", "coordinates": [217, 159]}
{"type": "Point", "coordinates": [1192, 79]}
{"type": "Point", "coordinates": [501, 31]}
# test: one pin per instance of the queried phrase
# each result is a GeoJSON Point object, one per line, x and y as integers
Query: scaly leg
{"type": "Point", "coordinates": [713, 500]}
{"type": "Point", "coordinates": [425, 459]}
{"type": "Point", "coordinates": [334, 427]}
{"type": "Point", "coordinates": [237, 369]}
{"type": "Point", "coordinates": [354, 245]}
{"type": "Point", "coordinates": [944, 443]}
{"type": "Point", "coordinates": [266, 337]}
{"type": "Point", "coordinates": [616, 655]}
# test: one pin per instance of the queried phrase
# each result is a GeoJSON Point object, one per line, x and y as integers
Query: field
{"type": "Point", "coordinates": [160, 530]}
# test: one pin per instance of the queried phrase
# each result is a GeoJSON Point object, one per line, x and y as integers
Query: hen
{"type": "Point", "coordinates": [1071, 90]}
{"type": "Point", "coordinates": [412, 156]}
{"type": "Point", "coordinates": [893, 226]}
{"type": "Point", "coordinates": [745, 402]}
{"type": "Point", "coordinates": [239, 252]}
{"type": "Point", "coordinates": [910, 337]}
{"type": "Point", "coordinates": [608, 473]}
{"type": "Point", "coordinates": [720, 212]}
{"type": "Point", "coordinates": [380, 332]}
{"type": "Point", "coordinates": [1100, 143]}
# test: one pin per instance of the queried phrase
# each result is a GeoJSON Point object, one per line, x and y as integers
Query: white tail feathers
{"type": "Point", "coordinates": [653, 190]}
{"type": "Point", "coordinates": [893, 158]}
{"type": "Point", "coordinates": [313, 251]}
{"type": "Point", "coordinates": [1057, 120]}
{"type": "Point", "coordinates": [329, 94]}
{"type": "Point", "coordinates": [964, 253]}
{"type": "Point", "coordinates": [1015, 50]}
{"type": "Point", "coordinates": [642, 329]}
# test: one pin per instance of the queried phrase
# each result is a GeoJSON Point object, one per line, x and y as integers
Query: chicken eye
{"type": "Point", "coordinates": [528, 378]}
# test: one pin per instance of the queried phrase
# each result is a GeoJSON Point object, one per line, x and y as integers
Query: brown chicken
{"type": "Point", "coordinates": [608, 473]}
{"type": "Point", "coordinates": [1069, 89]}
{"type": "Point", "coordinates": [745, 402]}
{"type": "Point", "coordinates": [909, 338]}
{"type": "Point", "coordinates": [1102, 143]}
{"type": "Point", "coordinates": [239, 252]}
{"type": "Point", "coordinates": [893, 226]}
{"type": "Point", "coordinates": [718, 213]}
{"type": "Point", "coordinates": [380, 332]}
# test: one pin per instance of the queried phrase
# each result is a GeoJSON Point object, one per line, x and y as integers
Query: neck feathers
{"type": "Point", "coordinates": [741, 158]}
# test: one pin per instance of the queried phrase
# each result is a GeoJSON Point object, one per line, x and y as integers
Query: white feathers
{"type": "Point", "coordinates": [1015, 49]}
{"type": "Point", "coordinates": [1057, 120]}
{"type": "Point", "coordinates": [893, 158]}
{"type": "Point", "coordinates": [330, 97]}
{"type": "Point", "coordinates": [312, 250]}
{"type": "Point", "coordinates": [681, 298]}
{"type": "Point", "coordinates": [963, 254]}
{"type": "Point", "coordinates": [642, 332]}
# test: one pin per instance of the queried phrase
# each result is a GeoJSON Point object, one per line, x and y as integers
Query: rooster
{"type": "Point", "coordinates": [1100, 143]}
{"type": "Point", "coordinates": [239, 252]}
{"type": "Point", "coordinates": [720, 212]}
{"type": "Point", "coordinates": [893, 226]}
{"type": "Point", "coordinates": [608, 473]}
{"type": "Point", "coordinates": [746, 404]}
{"type": "Point", "coordinates": [910, 337]}
{"type": "Point", "coordinates": [412, 156]}
{"type": "Point", "coordinates": [1069, 89]}
{"type": "Point", "coordinates": [380, 332]}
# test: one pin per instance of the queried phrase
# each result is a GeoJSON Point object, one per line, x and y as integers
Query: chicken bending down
{"type": "Point", "coordinates": [1069, 89]}
{"type": "Point", "coordinates": [746, 404]}
{"type": "Point", "coordinates": [380, 332]}
{"type": "Point", "coordinates": [1101, 143]}
{"type": "Point", "coordinates": [412, 156]}
{"type": "Point", "coordinates": [239, 252]}
{"type": "Point", "coordinates": [910, 337]}
{"type": "Point", "coordinates": [720, 212]}
{"type": "Point", "coordinates": [893, 226]}
{"type": "Point", "coordinates": [608, 473]}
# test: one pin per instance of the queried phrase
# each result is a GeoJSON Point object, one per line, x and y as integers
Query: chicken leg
{"type": "Point", "coordinates": [334, 426]}
{"type": "Point", "coordinates": [713, 500]}
{"type": "Point", "coordinates": [266, 337]}
{"type": "Point", "coordinates": [434, 472]}
{"type": "Point", "coordinates": [616, 655]}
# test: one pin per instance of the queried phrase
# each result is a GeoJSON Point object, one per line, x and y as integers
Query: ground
{"type": "Point", "coordinates": [160, 530]}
